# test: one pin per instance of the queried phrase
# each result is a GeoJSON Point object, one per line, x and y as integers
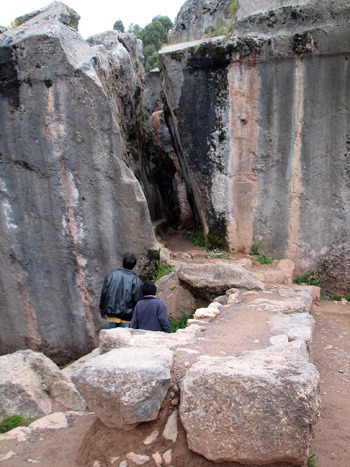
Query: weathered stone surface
{"type": "Point", "coordinates": [70, 369]}
{"type": "Point", "coordinates": [305, 293]}
{"type": "Point", "coordinates": [29, 382]}
{"type": "Point", "coordinates": [248, 144]}
{"type": "Point", "coordinates": [126, 386]}
{"type": "Point", "coordinates": [259, 408]}
{"type": "Point", "coordinates": [152, 94]}
{"type": "Point", "coordinates": [287, 266]}
{"type": "Point", "coordinates": [295, 305]}
{"type": "Point", "coordinates": [151, 438]}
{"type": "Point", "coordinates": [206, 313]}
{"type": "Point", "coordinates": [19, 434]}
{"type": "Point", "coordinates": [137, 459]}
{"type": "Point", "coordinates": [178, 299]}
{"type": "Point", "coordinates": [123, 337]}
{"type": "Point", "coordinates": [170, 431]}
{"type": "Point", "coordinates": [213, 279]}
{"type": "Point", "coordinates": [197, 18]}
{"type": "Point", "coordinates": [69, 205]}
{"type": "Point", "coordinates": [54, 421]}
{"type": "Point", "coordinates": [295, 326]}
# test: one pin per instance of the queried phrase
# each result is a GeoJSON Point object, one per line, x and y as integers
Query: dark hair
{"type": "Point", "coordinates": [129, 261]}
{"type": "Point", "coordinates": [149, 288]}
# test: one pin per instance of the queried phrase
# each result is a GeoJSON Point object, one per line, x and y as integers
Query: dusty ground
{"type": "Point", "coordinates": [86, 440]}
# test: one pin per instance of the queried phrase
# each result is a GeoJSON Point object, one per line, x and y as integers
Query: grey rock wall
{"type": "Point", "coordinates": [261, 123]}
{"type": "Point", "coordinates": [70, 207]}
{"type": "Point", "coordinates": [199, 18]}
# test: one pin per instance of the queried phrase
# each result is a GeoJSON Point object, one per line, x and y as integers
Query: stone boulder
{"type": "Point", "coordinates": [295, 326]}
{"type": "Point", "coordinates": [125, 387]}
{"type": "Point", "coordinates": [124, 337]}
{"type": "Point", "coordinates": [71, 207]}
{"type": "Point", "coordinates": [295, 305]}
{"type": "Point", "coordinates": [213, 279]}
{"type": "Point", "coordinates": [30, 382]}
{"type": "Point", "coordinates": [178, 299]}
{"type": "Point", "coordinates": [198, 18]}
{"type": "Point", "coordinates": [259, 408]}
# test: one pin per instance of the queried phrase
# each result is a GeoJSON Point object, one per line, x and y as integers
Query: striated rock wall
{"type": "Point", "coordinates": [261, 123]}
{"type": "Point", "coordinates": [70, 207]}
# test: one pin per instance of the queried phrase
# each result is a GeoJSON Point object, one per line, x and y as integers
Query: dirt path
{"type": "Point", "coordinates": [331, 355]}
{"type": "Point", "coordinates": [331, 444]}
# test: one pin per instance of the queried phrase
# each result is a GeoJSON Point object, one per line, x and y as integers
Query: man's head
{"type": "Point", "coordinates": [129, 261]}
{"type": "Point", "coordinates": [149, 288]}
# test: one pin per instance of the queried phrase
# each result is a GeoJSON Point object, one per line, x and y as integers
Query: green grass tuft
{"type": "Point", "coordinates": [162, 269]}
{"type": "Point", "coordinates": [9, 423]}
{"type": "Point", "coordinates": [309, 279]}
{"type": "Point", "coordinates": [255, 249]}
{"type": "Point", "coordinates": [264, 259]}
{"type": "Point", "coordinates": [311, 461]}
{"type": "Point", "coordinates": [196, 237]}
{"type": "Point", "coordinates": [180, 323]}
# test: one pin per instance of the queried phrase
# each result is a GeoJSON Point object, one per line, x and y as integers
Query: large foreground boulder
{"type": "Point", "coordinates": [259, 408]}
{"type": "Point", "coordinates": [70, 207]}
{"type": "Point", "coordinates": [126, 386]}
{"type": "Point", "coordinates": [30, 382]}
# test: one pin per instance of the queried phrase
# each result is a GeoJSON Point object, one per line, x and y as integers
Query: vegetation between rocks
{"type": "Point", "coordinates": [154, 35]}
{"type": "Point", "coordinates": [179, 323]}
{"type": "Point", "coordinates": [311, 461]}
{"type": "Point", "coordinates": [9, 423]}
{"type": "Point", "coordinates": [311, 278]}
{"type": "Point", "coordinates": [161, 269]}
{"type": "Point", "coordinates": [262, 258]}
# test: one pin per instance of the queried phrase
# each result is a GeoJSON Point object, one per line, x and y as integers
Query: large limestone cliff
{"type": "Point", "coordinates": [261, 122]}
{"type": "Point", "coordinates": [70, 206]}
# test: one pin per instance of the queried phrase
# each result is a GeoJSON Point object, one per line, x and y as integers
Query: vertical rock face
{"type": "Point", "coordinates": [69, 205]}
{"type": "Point", "coordinates": [171, 193]}
{"type": "Point", "coordinates": [261, 123]}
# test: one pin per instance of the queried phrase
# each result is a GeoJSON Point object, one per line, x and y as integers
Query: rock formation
{"type": "Point", "coordinates": [70, 206]}
{"type": "Point", "coordinates": [31, 382]}
{"type": "Point", "coordinates": [236, 409]}
{"type": "Point", "coordinates": [126, 386]}
{"type": "Point", "coordinates": [260, 117]}
{"type": "Point", "coordinates": [246, 134]}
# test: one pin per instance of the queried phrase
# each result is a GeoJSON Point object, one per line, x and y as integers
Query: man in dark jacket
{"type": "Point", "coordinates": [121, 290]}
{"type": "Point", "coordinates": [150, 313]}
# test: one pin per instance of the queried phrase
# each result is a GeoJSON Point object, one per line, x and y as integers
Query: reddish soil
{"type": "Point", "coordinates": [86, 440]}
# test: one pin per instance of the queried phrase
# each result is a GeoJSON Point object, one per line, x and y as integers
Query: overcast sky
{"type": "Point", "coordinates": [98, 16]}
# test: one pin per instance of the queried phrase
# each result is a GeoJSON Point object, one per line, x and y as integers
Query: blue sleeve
{"type": "Point", "coordinates": [162, 316]}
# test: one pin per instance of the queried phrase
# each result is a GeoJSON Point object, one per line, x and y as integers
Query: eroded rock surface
{"type": "Point", "coordinates": [126, 386]}
{"type": "Point", "coordinates": [213, 279]}
{"type": "Point", "coordinates": [250, 145]}
{"type": "Point", "coordinates": [256, 409]}
{"type": "Point", "coordinates": [30, 382]}
{"type": "Point", "coordinates": [70, 207]}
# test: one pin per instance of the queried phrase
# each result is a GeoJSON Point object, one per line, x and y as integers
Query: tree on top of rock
{"type": "Point", "coordinates": [154, 35]}
{"type": "Point", "coordinates": [119, 26]}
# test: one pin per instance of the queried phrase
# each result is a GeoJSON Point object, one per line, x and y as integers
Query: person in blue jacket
{"type": "Point", "coordinates": [150, 313]}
